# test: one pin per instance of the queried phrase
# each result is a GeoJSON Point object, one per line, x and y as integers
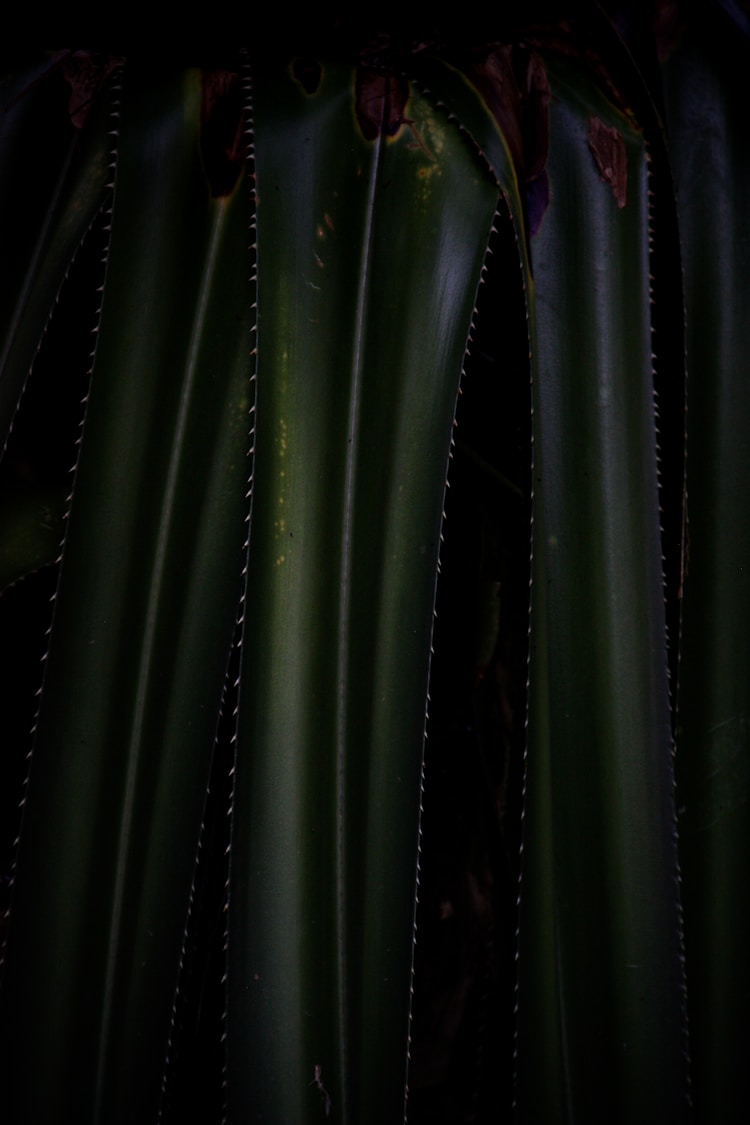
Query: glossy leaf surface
{"type": "Point", "coordinates": [600, 935]}
{"type": "Point", "coordinates": [369, 257]}
{"type": "Point", "coordinates": [143, 625]}
{"type": "Point", "coordinates": [710, 153]}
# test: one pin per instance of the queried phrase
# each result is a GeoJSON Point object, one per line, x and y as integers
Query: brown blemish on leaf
{"type": "Point", "coordinates": [495, 78]}
{"type": "Point", "coordinates": [380, 101]}
{"type": "Point", "coordinates": [381, 98]}
{"type": "Point", "coordinates": [222, 130]}
{"type": "Point", "coordinates": [535, 134]}
{"type": "Point", "coordinates": [513, 82]}
{"type": "Point", "coordinates": [608, 149]}
{"type": "Point", "coordinates": [86, 72]}
{"type": "Point", "coordinates": [535, 120]}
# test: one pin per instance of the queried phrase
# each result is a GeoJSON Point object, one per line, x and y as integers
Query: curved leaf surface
{"type": "Point", "coordinates": [369, 256]}
{"type": "Point", "coordinates": [144, 619]}
{"type": "Point", "coordinates": [600, 953]}
{"type": "Point", "coordinates": [53, 182]}
{"type": "Point", "coordinates": [709, 135]}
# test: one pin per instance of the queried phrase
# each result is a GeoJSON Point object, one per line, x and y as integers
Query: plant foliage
{"type": "Point", "coordinates": [265, 306]}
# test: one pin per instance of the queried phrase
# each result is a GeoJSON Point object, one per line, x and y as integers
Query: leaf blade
{"type": "Point", "coordinates": [607, 933]}
{"type": "Point", "coordinates": [144, 620]}
{"type": "Point", "coordinates": [358, 365]}
{"type": "Point", "coordinates": [709, 146]}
